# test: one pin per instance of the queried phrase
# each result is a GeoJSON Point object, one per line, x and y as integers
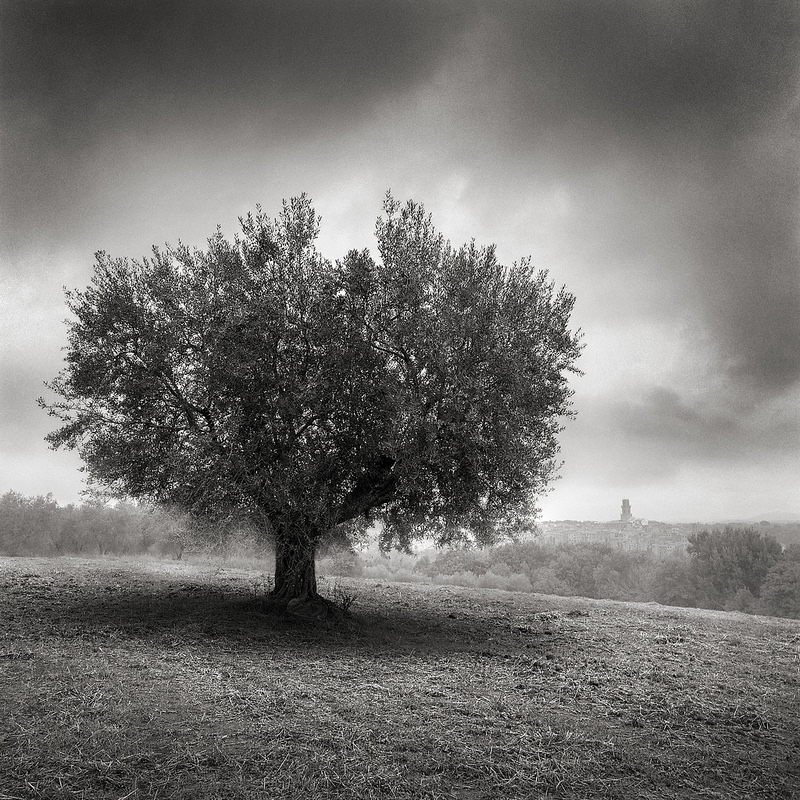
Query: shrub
{"type": "Point", "coordinates": [545, 581]}
{"type": "Point", "coordinates": [743, 600]}
{"type": "Point", "coordinates": [517, 582]}
{"type": "Point", "coordinates": [455, 560]}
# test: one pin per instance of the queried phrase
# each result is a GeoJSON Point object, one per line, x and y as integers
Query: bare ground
{"type": "Point", "coordinates": [145, 679]}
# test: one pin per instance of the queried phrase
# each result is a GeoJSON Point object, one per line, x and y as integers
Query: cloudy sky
{"type": "Point", "coordinates": [644, 152]}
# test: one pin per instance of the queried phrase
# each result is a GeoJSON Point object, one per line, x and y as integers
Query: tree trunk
{"type": "Point", "coordinates": [295, 568]}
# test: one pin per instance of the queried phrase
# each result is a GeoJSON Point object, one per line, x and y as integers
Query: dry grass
{"type": "Point", "coordinates": [134, 680]}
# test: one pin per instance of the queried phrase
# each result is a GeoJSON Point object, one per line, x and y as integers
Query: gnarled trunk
{"type": "Point", "coordinates": [295, 568]}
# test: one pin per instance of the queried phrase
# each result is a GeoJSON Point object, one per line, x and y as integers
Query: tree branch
{"type": "Point", "coordinates": [376, 487]}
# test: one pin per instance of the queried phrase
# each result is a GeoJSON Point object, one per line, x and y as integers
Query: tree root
{"type": "Point", "coordinates": [316, 610]}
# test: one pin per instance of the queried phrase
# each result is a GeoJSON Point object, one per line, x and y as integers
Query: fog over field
{"type": "Point", "coordinates": [644, 152]}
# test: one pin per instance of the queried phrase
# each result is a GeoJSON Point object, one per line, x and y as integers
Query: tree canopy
{"type": "Point", "coordinates": [730, 561]}
{"type": "Point", "coordinates": [255, 378]}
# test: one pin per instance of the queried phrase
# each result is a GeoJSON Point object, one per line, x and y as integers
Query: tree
{"type": "Point", "coordinates": [672, 583]}
{"type": "Point", "coordinates": [257, 379]}
{"type": "Point", "coordinates": [575, 566]}
{"type": "Point", "coordinates": [780, 592]}
{"type": "Point", "coordinates": [725, 562]}
{"type": "Point", "coordinates": [28, 525]}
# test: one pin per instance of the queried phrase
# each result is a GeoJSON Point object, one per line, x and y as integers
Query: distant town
{"type": "Point", "coordinates": [642, 535]}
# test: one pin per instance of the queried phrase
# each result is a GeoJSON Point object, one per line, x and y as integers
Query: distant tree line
{"type": "Point", "coordinates": [731, 569]}
{"type": "Point", "coordinates": [39, 526]}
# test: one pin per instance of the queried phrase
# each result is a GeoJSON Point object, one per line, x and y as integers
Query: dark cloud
{"type": "Point", "coordinates": [95, 60]}
{"type": "Point", "coordinates": [667, 423]}
{"type": "Point", "coordinates": [749, 257]}
{"type": "Point", "coordinates": [76, 74]}
{"type": "Point", "coordinates": [656, 432]}
{"type": "Point", "coordinates": [708, 71]}
{"type": "Point", "coordinates": [695, 104]}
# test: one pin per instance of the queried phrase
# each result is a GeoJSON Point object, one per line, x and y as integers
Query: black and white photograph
{"type": "Point", "coordinates": [399, 399]}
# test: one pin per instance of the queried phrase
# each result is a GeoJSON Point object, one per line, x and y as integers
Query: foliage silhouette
{"type": "Point", "coordinates": [258, 380]}
{"type": "Point", "coordinates": [728, 566]}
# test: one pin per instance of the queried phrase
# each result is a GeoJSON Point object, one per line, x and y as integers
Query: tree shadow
{"type": "Point", "coordinates": [199, 612]}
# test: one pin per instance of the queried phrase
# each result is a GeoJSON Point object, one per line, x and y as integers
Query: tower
{"type": "Point", "coordinates": [626, 515]}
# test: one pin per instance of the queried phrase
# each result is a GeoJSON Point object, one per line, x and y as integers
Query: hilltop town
{"type": "Point", "coordinates": [642, 535]}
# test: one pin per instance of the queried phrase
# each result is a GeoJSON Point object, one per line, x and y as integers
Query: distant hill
{"type": "Point", "coordinates": [773, 516]}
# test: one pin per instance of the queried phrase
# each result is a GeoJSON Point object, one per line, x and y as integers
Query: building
{"type": "Point", "coordinates": [627, 533]}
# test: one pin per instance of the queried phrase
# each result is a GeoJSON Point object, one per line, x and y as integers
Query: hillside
{"type": "Point", "coordinates": [144, 679]}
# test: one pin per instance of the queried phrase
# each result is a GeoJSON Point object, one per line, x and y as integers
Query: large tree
{"type": "Point", "coordinates": [257, 379]}
{"type": "Point", "coordinates": [727, 562]}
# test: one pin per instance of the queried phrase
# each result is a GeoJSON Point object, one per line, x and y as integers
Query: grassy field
{"type": "Point", "coordinates": [151, 680]}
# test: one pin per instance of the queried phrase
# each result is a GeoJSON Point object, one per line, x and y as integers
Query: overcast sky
{"type": "Point", "coordinates": [644, 152]}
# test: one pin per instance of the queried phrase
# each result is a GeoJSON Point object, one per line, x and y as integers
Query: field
{"type": "Point", "coordinates": [132, 680]}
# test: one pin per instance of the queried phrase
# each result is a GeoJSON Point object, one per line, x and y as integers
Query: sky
{"type": "Point", "coordinates": [645, 153]}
